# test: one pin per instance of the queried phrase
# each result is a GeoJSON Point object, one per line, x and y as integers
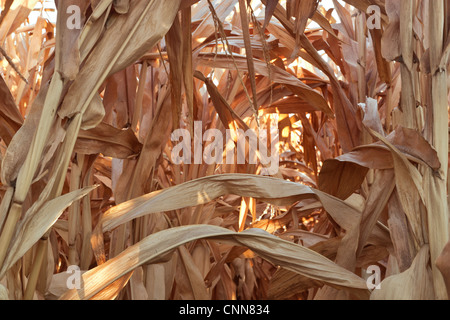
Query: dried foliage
{"type": "Point", "coordinates": [88, 180]}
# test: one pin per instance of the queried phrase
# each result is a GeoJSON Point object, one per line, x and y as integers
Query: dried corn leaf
{"type": "Point", "coordinates": [109, 141]}
{"type": "Point", "coordinates": [408, 181]}
{"type": "Point", "coordinates": [151, 249]}
{"type": "Point", "coordinates": [341, 179]}
{"type": "Point", "coordinates": [31, 231]}
{"type": "Point", "coordinates": [143, 25]}
{"type": "Point", "coordinates": [206, 189]}
{"type": "Point", "coordinates": [94, 114]}
{"type": "Point", "coordinates": [15, 16]}
{"type": "Point", "coordinates": [276, 74]}
{"type": "Point", "coordinates": [21, 142]}
{"type": "Point", "coordinates": [414, 284]}
{"type": "Point", "coordinates": [194, 279]}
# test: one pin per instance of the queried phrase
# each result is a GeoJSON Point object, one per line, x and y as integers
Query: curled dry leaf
{"type": "Point", "coordinates": [109, 141]}
{"type": "Point", "coordinates": [277, 75]}
{"type": "Point", "coordinates": [21, 142]}
{"type": "Point", "coordinates": [206, 189]}
{"type": "Point", "coordinates": [151, 249]}
{"type": "Point", "coordinates": [413, 284]}
{"type": "Point", "coordinates": [94, 114]}
{"type": "Point", "coordinates": [29, 232]}
{"type": "Point", "coordinates": [116, 54]}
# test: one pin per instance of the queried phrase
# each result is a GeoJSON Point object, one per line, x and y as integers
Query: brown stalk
{"type": "Point", "coordinates": [437, 205]}
{"type": "Point", "coordinates": [407, 64]}
{"type": "Point", "coordinates": [248, 52]}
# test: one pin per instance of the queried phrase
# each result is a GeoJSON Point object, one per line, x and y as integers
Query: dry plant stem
{"type": "Point", "coordinates": [86, 219]}
{"type": "Point", "coordinates": [14, 280]}
{"type": "Point", "coordinates": [407, 49]}
{"type": "Point", "coordinates": [243, 213]}
{"type": "Point", "coordinates": [375, 203]}
{"type": "Point", "coordinates": [119, 240]}
{"type": "Point", "coordinates": [228, 48]}
{"type": "Point", "coordinates": [62, 162]}
{"type": "Point", "coordinates": [362, 85]}
{"type": "Point", "coordinates": [188, 70]}
{"type": "Point", "coordinates": [31, 163]}
{"type": "Point", "coordinates": [4, 206]}
{"type": "Point", "coordinates": [139, 97]}
{"type": "Point", "coordinates": [437, 193]}
{"type": "Point", "coordinates": [39, 257]}
{"type": "Point", "coordinates": [389, 108]}
{"type": "Point", "coordinates": [361, 39]}
{"type": "Point", "coordinates": [63, 156]}
{"type": "Point", "coordinates": [8, 230]}
{"type": "Point", "coordinates": [74, 210]}
{"type": "Point", "coordinates": [248, 53]}
{"type": "Point", "coordinates": [12, 64]}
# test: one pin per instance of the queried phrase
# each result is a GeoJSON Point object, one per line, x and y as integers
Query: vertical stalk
{"type": "Point", "coordinates": [4, 206]}
{"type": "Point", "coordinates": [188, 71]}
{"type": "Point", "coordinates": [362, 50]}
{"type": "Point", "coordinates": [86, 222]}
{"type": "Point", "coordinates": [74, 210]}
{"type": "Point", "coordinates": [33, 279]}
{"type": "Point", "coordinates": [408, 94]}
{"type": "Point", "coordinates": [139, 97]}
{"type": "Point", "coordinates": [249, 54]}
{"type": "Point", "coordinates": [436, 184]}
{"type": "Point", "coordinates": [8, 230]}
{"type": "Point", "coordinates": [28, 169]}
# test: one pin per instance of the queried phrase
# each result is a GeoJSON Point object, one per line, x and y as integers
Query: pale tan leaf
{"type": "Point", "coordinates": [58, 285]}
{"type": "Point", "coordinates": [31, 231]}
{"type": "Point", "coordinates": [138, 291]}
{"type": "Point", "coordinates": [408, 181]}
{"type": "Point", "coordinates": [277, 75]}
{"type": "Point", "coordinates": [94, 114]}
{"type": "Point", "coordinates": [3, 293]}
{"type": "Point", "coordinates": [194, 277]}
{"type": "Point", "coordinates": [151, 249]}
{"type": "Point", "coordinates": [413, 284]}
{"type": "Point", "coordinates": [206, 189]}
{"type": "Point", "coordinates": [143, 25]}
